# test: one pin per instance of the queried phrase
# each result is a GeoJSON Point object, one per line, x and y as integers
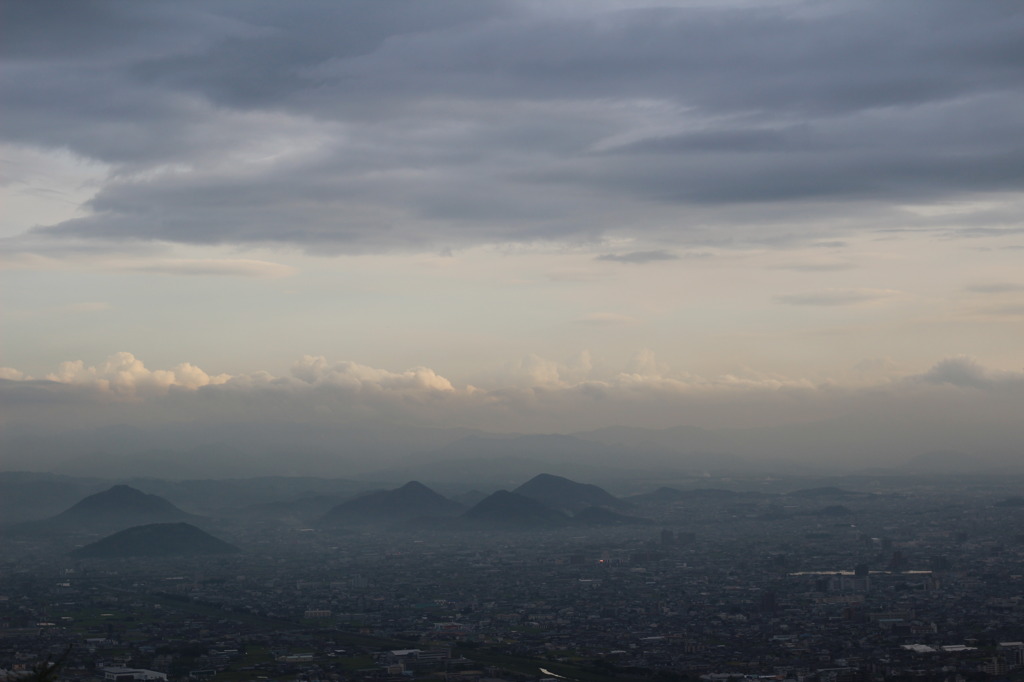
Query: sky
{"type": "Point", "coordinates": [530, 217]}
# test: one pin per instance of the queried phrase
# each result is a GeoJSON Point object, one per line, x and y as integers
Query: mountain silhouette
{"type": "Point", "coordinates": [565, 495]}
{"type": "Point", "coordinates": [30, 496]}
{"type": "Point", "coordinates": [413, 500]}
{"type": "Point", "coordinates": [114, 509]}
{"type": "Point", "coordinates": [511, 511]}
{"type": "Point", "coordinates": [155, 540]}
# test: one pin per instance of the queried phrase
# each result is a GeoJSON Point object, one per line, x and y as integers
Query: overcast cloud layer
{"type": "Point", "coordinates": [370, 126]}
{"type": "Point", "coordinates": [716, 214]}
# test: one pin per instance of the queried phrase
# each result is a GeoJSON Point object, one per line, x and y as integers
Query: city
{"type": "Point", "coordinates": [917, 579]}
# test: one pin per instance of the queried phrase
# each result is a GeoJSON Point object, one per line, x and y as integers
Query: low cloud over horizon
{"type": "Point", "coordinates": [956, 404]}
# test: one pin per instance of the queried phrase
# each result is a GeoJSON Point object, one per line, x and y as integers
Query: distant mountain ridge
{"type": "Point", "coordinates": [506, 510]}
{"type": "Point", "coordinates": [26, 496]}
{"type": "Point", "coordinates": [113, 509]}
{"type": "Point", "coordinates": [411, 501]}
{"type": "Point", "coordinates": [156, 540]}
{"type": "Point", "coordinates": [545, 501]}
{"type": "Point", "coordinates": [563, 494]}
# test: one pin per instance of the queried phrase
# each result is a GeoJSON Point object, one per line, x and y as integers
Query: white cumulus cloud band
{"type": "Point", "coordinates": [957, 403]}
{"type": "Point", "coordinates": [123, 374]}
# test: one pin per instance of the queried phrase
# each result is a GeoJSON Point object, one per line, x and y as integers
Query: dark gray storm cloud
{"type": "Point", "coordinates": [365, 126]}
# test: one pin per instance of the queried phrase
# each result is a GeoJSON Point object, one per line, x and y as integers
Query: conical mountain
{"type": "Point", "coordinates": [114, 509]}
{"type": "Point", "coordinates": [512, 511]}
{"type": "Point", "coordinates": [566, 495]}
{"type": "Point", "coordinates": [156, 540]}
{"type": "Point", "coordinates": [413, 500]}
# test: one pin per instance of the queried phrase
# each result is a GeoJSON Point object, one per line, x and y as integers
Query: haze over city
{"type": "Point", "coordinates": [331, 237]}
